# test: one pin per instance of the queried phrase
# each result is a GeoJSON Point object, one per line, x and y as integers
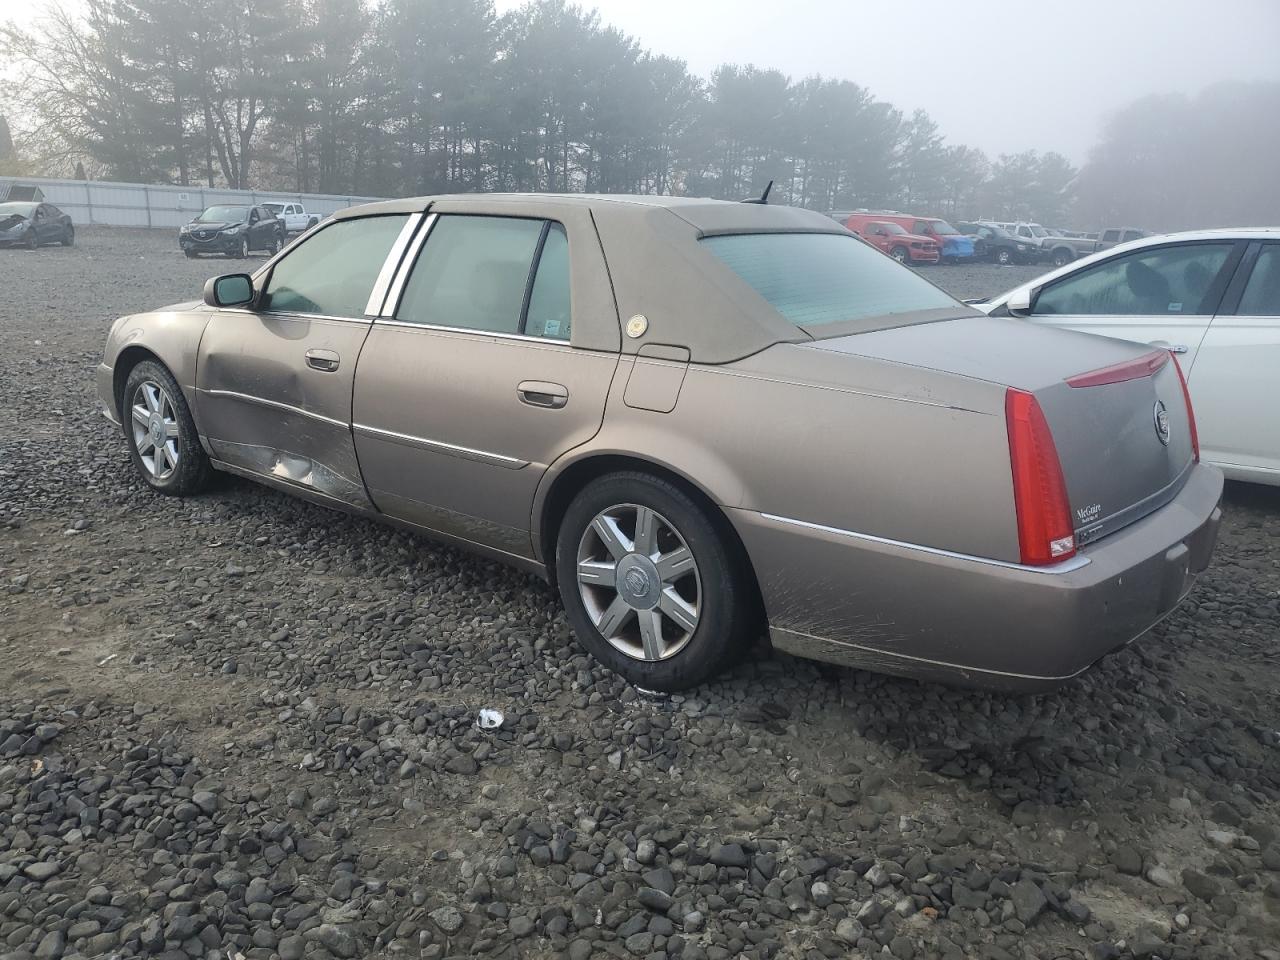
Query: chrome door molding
{"type": "Point", "coordinates": [274, 404]}
{"type": "Point", "coordinates": [1075, 563]}
{"type": "Point", "coordinates": [439, 446]}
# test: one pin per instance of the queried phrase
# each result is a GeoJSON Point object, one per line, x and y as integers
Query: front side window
{"type": "Point", "coordinates": [474, 273]}
{"type": "Point", "coordinates": [814, 279]}
{"type": "Point", "coordinates": [332, 272]}
{"type": "Point", "coordinates": [1157, 282]}
{"type": "Point", "coordinates": [1261, 296]}
{"type": "Point", "coordinates": [1133, 235]}
{"type": "Point", "coordinates": [943, 229]}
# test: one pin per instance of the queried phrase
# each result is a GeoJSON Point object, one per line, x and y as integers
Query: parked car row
{"type": "Point", "coordinates": [700, 419]}
{"type": "Point", "coordinates": [910, 239]}
{"type": "Point", "coordinates": [1060, 247]}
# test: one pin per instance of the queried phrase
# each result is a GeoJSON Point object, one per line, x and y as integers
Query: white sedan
{"type": "Point", "coordinates": [1213, 298]}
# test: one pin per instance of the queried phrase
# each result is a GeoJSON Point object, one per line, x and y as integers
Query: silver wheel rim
{"type": "Point", "coordinates": [639, 582]}
{"type": "Point", "coordinates": [155, 429]}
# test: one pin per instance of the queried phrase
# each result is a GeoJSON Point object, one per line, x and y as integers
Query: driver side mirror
{"type": "Point", "coordinates": [230, 290]}
{"type": "Point", "coordinates": [1019, 302]}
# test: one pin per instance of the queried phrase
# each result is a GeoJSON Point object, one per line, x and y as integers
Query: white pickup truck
{"type": "Point", "coordinates": [295, 216]}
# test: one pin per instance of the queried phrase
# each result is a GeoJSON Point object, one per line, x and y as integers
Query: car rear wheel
{"type": "Point", "coordinates": [31, 241]}
{"type": "Point", "coordinates": [1004, 257]}
{"type": "Point", "coordinates": [163, 443]}
{"type": "Point", "coordinates": [273, 247]}
{"type": "Point", "coordinates": [69, 237]}
{"type": "Point", "coordinates": [1061, 257]}
{"type": "Point", "coordinates": [899, 254]}
{"type": "Point", "coordinates": [648, 583]}
{"type": "Point", "coordinates": [191, 254]}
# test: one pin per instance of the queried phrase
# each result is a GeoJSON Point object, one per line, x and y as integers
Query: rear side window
{"type": "Point", "coordinates": [823, 278]}
{"type": "Point", "coordinates": [478, 273]}
{"type": "Point", "coordinates": [549, 300]}
{"type": "Point", "coordinates": [332, 272]}
{"type": "Point", "coordinates": [1262, 294]}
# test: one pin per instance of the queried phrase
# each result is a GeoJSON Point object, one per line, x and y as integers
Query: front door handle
{"type": "Point", "coordinates": [540, 393]}
{"type": "Point", "coordinates": [1171, 347]}
{"type": "Point", "coordinates": [326, 361]}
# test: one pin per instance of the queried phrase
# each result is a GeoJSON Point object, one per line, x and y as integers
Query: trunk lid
{"type": "Point", "coordinates": [1107, 428]}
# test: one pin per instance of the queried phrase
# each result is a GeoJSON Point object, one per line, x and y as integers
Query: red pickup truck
{"type": "Point", "coordinates": [895, 241]}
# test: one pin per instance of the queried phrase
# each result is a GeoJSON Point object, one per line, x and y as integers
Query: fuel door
{"type": "Point", "coordinates": [656, 377]}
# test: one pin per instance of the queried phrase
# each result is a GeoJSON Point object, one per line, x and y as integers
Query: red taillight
{"type": "Point", "coordinates": [1191, 414]}
{"type": "Point", "coordinates": [1045, 533]}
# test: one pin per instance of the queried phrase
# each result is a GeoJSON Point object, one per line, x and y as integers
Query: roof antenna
{"type": "Point", "coordinates": [764, 197]}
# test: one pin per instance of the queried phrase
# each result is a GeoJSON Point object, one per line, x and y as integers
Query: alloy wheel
{"type": "Point", "coordinates": [155, 429]}
{"type": "Point", "coordinates": [639, 582]}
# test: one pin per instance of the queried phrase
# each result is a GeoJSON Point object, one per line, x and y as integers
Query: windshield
{"type": "Point", "coordinates": [1038, 231]}
{"type": "Point", "coordinates": [942, 228]}
{"type": "Point", "coordinates": [16, 209]}
{"type": "Point", "coordinates": [223, 215]}
{"type": "Point", "coordinates": [823, 278]}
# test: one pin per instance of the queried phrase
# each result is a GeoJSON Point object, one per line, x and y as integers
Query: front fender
{"type": "Point", "coordinates": [171, 335]}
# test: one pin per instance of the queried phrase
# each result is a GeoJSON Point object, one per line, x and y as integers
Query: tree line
{"type": "Point", "coordinates": [404, 97]}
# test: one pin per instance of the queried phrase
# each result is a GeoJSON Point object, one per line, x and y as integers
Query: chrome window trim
{"type": "Point", "coordinates": [492, 334]}
{"type": "Point", "coordinates": [378, 294]}
{"type": "Point", "coordinates": [290, 315]}
{"type": "Point", "coordinates": [396, 289]}
{"type": "Point", "coordinates": [439, 446]}
{"type": "Point", "coordinates": [1066, 566]}
{"type": "Point", "coordinates": [274, 404]}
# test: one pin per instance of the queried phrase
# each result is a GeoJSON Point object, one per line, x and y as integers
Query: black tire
{"type": "Point", "coordinates": [899, 254]}
{"type": "Point", "coordinates": [312, 222]}
{"type": "Point", "coordinates": [273, 247]}
{"type": "Point", "coordinates": [1004, 257]}
{"type": "Point", "coordinates": [723, 590]}
{"type": "Point", "coordinates": [241, 252]}
{"type": "Point", "coordinates": [69, 237]}
{"type": "Point", "coordinates": [1062, 256]}
{"type": "Point", "coordinates": [193, 472]}
{"type": "Point", "coordinates": [31, 241]}
{"type": "Point", "coordinates": [191, 254]}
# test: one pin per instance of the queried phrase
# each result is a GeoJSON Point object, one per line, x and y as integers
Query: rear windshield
{"type": "Point", "coordinates": [814, 279]}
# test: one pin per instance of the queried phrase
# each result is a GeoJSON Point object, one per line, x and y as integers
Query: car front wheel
{"type": "Point", "coordinates": [69, 237]}
{"type": "Point", "coordinates": [648, 583]}
{"type": "Point", "coordinates": [899, 254]}
{"type": "Point", "coordinates": [1004, 257]}
{"type": "Point", "coordinates": [163, 443]}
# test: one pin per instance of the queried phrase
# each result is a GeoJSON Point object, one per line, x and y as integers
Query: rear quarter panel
{"type": "Point", "coordinates": [862, 445]}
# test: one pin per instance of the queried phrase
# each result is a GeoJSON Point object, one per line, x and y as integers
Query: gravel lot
{"type": "Point", "coordinates": [240, 725]}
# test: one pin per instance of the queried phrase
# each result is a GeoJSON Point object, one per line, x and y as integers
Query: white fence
{"type": "Point", "coordinates": [143, 205]}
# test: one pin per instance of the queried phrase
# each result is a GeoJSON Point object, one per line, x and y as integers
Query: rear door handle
{"type": "Point", "coordinates": [326, 361]}
{"type": "Point", "coordinates": [540, 393]}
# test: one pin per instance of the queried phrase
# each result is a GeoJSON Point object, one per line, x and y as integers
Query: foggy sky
{"type": "Point", "coordinates": [1000, 75]}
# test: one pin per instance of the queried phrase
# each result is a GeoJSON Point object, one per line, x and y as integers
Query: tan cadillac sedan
{"type": "Point", "coordinates": [696, 418]}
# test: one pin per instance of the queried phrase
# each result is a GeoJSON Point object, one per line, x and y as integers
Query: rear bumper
{"type": "Point", "coordinates": [898, 608]}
